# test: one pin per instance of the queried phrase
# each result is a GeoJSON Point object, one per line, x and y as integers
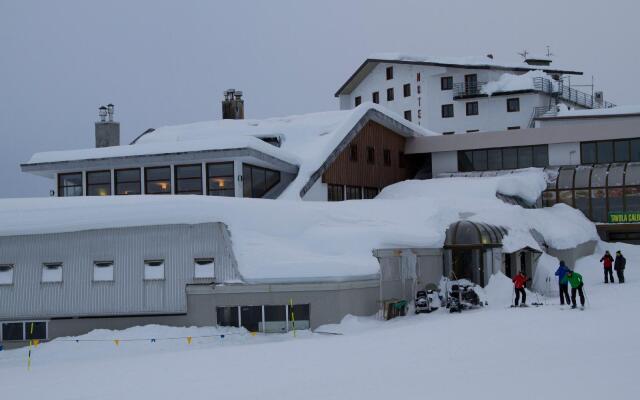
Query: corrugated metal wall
{"type": "Point", "coordinates": [128, 293]}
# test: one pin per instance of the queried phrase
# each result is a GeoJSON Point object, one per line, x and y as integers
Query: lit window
{"type": "Point", "coordinates": [220, 179]}
{"type": "Point", "coordinates": [154, 270]}
{"type": "Point", "coordinates": [6, 274]}
{"type": "Point", "coordinates": [99, 183]}
{"type": "Point", "coordinates": [103, 271]}
{"type": "Point", "coordinates": [204, 268]}
{"type": "Point", "coordinates": [157, 180]}
{"type": "Point", "coordinates": [51, 272]}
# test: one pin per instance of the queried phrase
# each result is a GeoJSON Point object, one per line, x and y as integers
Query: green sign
{"type": "Point", "coordinates": [624, 217]}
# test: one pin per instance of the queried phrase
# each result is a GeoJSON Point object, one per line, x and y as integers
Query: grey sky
{"type": "Point", "coordinates": [168, 62]}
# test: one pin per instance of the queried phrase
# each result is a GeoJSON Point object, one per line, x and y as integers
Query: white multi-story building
{"type": "Point", "coordinates": [460, 95]}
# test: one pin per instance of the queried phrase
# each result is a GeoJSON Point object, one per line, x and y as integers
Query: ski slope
{"type": "Point", "coordinates": [493, 353]}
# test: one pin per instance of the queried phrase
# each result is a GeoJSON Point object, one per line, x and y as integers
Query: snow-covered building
{"type": "Point", "coordinates": [466, 94]}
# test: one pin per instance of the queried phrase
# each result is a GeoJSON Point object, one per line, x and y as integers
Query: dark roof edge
{"type": "Point", "coordinates": [494, 67]}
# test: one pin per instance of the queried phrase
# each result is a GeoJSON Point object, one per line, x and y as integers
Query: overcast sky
{"type": "Point", "coordinates": [168, 62]}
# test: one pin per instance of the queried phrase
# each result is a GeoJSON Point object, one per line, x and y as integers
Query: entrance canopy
{"type": "Point", "coordinates": [474, 234]}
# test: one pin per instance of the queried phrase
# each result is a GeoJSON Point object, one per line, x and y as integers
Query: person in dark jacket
{"type": "Point", "coordinates": [607, 261]}
{"type": "Point", "coordinates": [519, 282]}
{"type": "Point", "coordinates": [561, 273]}
{"type": "Point", "coordinates": [619, 265]}
{"type": "Point", "coordinates": [575, 280]}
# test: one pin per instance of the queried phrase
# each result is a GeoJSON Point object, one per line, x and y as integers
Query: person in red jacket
{"type": "Point", "coordinates": [607, 262]}
{"type": "Point", "coordinates": [519, 282]}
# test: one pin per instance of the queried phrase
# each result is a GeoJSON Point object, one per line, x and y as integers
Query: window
{"type": "Point", "coordinates": [375, 97]}
{"type": "Point", "coordinates": [157, 180]}
{"type": "Point", "coordinates": [35, 330]}
{"type": "Point", "coordinates": [188, 179]}
{"type": "Point", "coordinates": [447, 110]}
{"type": "Point", "coordinates": [6, 274]}
{"type": "Point", "coordinates": [401, 159]}
{"type": "Point", "coordinates": [127, 181]}
{"type": "Point", "coordinates": [503, 158]}
{"type": "Point", "coordinates": [541, 156]}
{"type": "Point", "coordinates": [353, 152]}
{"type": "Point", "coordinates": [607, 151]}
{"type": "Point", "coordinates": [448, 133]}
{"type": "Point", "coordinates": [494, 159]}
{"type": "Point", "coordinates": [275, 319]}
{"type": "Point", "coordinates": [472, 108]}
{"type": "Point", "coordinates": [589, 153]}
{"type": "Point", "coordinates": [257, 181]}
{"type": "Point", "coordinates": [389, 73]}
{"type": "Point", "coordinates": [471, 84]}
{"type": "Point", "coordinates": [358, 101]}
{"type": "Point", "coordinates": [354, 193]}
{"type": "Point", "coordinates": [473, 130]}
{"type": "Point", "coordinates": [390, 94]}
{"type": "Point", "coordinates": [221, 179]}
{"type": "Point", "coordinates": [51, 272]}
{"type": "Point", "coordinates": [512, 128]}
{"type": "Point", "coordinates": [369, 192]}
{"type": "Point", "coordinates": [99, 183]}
{"type": "Point", "coordinates": [336, 192]}
{"type": "Point", "coordinates": [418, 77]}
{"type": "Point", "coordinates": [525, 157]}
{"type": "Point", "coordinates": [371, 155]}
{"type": "Point", "coordinates": [621, 150]}
{"type": "Point", "coordinates": [446, 83]}
{"type": "Point", "coordinates": [204, 268]}
{"type": "Point", "coordinates": [103, 271]}
{"type": "Point", "coordinates": [406, 89]}
{"type": "Point", "coordinates": [634, 147]}
{"type": "Point", "coordinates": [513, 105]}
{"type": "Point", "coordinates": [299, 316]}
{"type": "Point", "coordinates": [386, 156]}
{"type": "Point", "coordinates": [70, 184]}
{"type": "Point", "coordinates": [227, 316]}
{"type": "Point", "coordinates": [510, 158]}
{"type": "Point", "coordinates": [251, 318]}
{"type": "Point", "coordinates": [12, 331]}
{"type": "Point", "coordinates": [480, 161]}
{"type": "Point", "coordinates": [407, 115]}
{"type": "Point", "coordinates": [153, 270]}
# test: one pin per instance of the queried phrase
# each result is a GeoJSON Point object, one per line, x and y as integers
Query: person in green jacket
{"type": "Point", "coordinates": [575, 280]}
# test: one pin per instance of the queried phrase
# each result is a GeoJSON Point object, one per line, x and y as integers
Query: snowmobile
{"type": "Point", "coordinates": [427, 300]}
{"type": "Point", "coordinates": [462, 297]}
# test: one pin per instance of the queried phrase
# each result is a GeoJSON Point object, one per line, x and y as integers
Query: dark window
{"type": "Point", "coordinates": [157, 180]}
{"type": "Point", "coordinates": [525, 157]}
{"type": "Point", "coordinates": [447, 110]}
{"type": "Point", "coordinates": [220, 179]}
{"type": "Point", "coordinates": [390, 94]}
{"type": "Point", "coordinates": [418, 77]}
{"type": "Point", "coordinates": [471, 83]}
{"type": "Point", "coordinates": [99, 183]}
{"type": "Point", "coordinates": [512, 128]}
{"type": "Point", "coordinates": [12, 331]}
{"type": "Point", "coordinates": [336, 192]}
{"type": "Point", "coordinates": [353, 193]}
{"type": "Point", "coordinates": [621, 150]}
{"type": "Point", "coordinates": [589, 153]}
{"type": "Point", "coordinates": [369, 193]}
{"type": "Point", "coordinates": [465, 161]}
{"type": "Point", "coordinates": [371, 155]}
{"type": "Point", "coordinates": [70, 184]}
{"type": "Point", "coordinates": [503, 158]}
{"type": "Point", "coordinates": [358, 100]}
{"type": "Point", "coordinates": [301, 313]}
{"type": "Point", "coordinates": [353, 152]}
{"type": "Point", "coordinates": [635, 149]}
{"type": "Point", "coordinates": [494, 159]}
{"type": "Point", "coordinates": [510, 158]}
{"type": "Point", "coordinates": [605, 152]}
{"type": "Point", "coordinates": [375, 97]}
{"type": "Point", "coordinates": [257, 181]}
{"type": "Point", "coordinates": [406, 90]}
{"type": "Point", "coordinates": [473, 130]}
{"type": "Point", "coordinates": [541, 156]}
{"type": "Point", "coordinates": [401, 160]}
{"type": "Point", "coordinates": [513, 105]}
{"type": "Point", "coordinates": [386, 156]}
{"type": "Point", "coordinates": [472, 108]}
{"type": "Point", "coordinates": [446, 83]}
{"type": "Point", "coordinates": [251, 317]}
{"type": "Point", "coordinates": [407, 115]}
{"type": "Point", "coordinates": [389, 73]}
{"type": "Point", "coordinates": [188, 179]}
{"type": "Point", "coordinates": [127, 181]}
{"type": "Point", "coordinates": [275, 319]}
{"type": "Point", "coordinates": [35, 330]}
{"type": "Point", "coordinates": [227, 316]}
{"type": "Point", "coordinates": [479, 160]}
{"type": "Point", "coordinates": [448, 133]}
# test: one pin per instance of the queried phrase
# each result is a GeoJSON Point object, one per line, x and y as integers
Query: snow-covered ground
{"type": "Point", "coordinates": [493, 353]}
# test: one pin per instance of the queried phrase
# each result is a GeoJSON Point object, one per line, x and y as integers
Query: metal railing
{"type": "Point", "coordinates": [471, 89]}
{"type": "Point", "coordinates": [540, 111]}
{"type": "Point", "coordinates": [568, 93]}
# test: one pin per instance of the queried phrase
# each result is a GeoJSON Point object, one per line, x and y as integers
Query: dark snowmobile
{"type": "Point", "coordinates": [462, 297]}
{"type": "Point", "coordinates": [427, 300]}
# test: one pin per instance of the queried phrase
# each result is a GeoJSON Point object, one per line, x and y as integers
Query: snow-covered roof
{"type": "Point", "coordinates": [312, 241]}
{"type": "Point", "coordinates": [595, 112]}
{"type": "Point", "coordinates": [513, 82]}
{"type": "Point", "coordinates": [475, 62]}
{"type": "Point", "coordinates": [306, 140]}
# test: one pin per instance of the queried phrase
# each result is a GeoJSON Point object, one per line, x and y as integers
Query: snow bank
{"type": "Point", "coordinates": [512, 82]}
{"type": "Point", "coordinates": [316, 241]}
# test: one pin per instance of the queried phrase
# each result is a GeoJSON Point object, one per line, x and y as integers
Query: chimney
{"type": "Point", "coordinates": [107, 130]}
{"type": "Point", "coordinates": [232, 105]}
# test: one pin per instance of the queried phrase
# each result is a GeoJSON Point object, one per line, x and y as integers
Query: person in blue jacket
{"type": "Point", "coordinates": [563, 283]}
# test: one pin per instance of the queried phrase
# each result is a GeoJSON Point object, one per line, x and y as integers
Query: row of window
{"type": "Point", "coordinates": [503, 158]}
{"type": "Point", "coordinates": [265, 318]}
{"type": "Point", "coordinates": [24, 330]}
{"type": "Point", "coordinates": [375, 96]}
{"type": "Point", "coordinates": [103, 271]}
{"type": "Point", "coordinates": [220, 181]}
{"type": "Point", "coordinates": [608, 151]}
{"type": "Point", "coordinates": [596, 203]}
{"type": "Point", "coordinates": [346, 192]}
{"type": "Point", "coordinates": [509, 128]}
{"type": "Point", "coordinates": [513, 105]}
{"type": "Point", "coordinates": [387, 158]}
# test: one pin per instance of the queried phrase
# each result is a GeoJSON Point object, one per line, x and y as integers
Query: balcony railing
{"type": "Point", "coordinates": [465, 90]}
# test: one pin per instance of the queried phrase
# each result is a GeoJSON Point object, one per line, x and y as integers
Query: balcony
{"type": "Point", "coordinates": [462, 90]}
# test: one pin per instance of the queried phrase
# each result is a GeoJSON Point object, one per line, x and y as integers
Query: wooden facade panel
{"type": "Point", "coordinates": [344, 171]}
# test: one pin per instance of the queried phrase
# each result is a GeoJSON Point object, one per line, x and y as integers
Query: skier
{"type": "Point", "coordinates": [619, 265]}
{"type": "Point", "coordinates": [561, 273]}
{"type": "Point", "coordinates": [519, 282]}
{"type": "Point", "coordinates": [608, 264]}
{"type": "Point", "coordinates": [575, 279]}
